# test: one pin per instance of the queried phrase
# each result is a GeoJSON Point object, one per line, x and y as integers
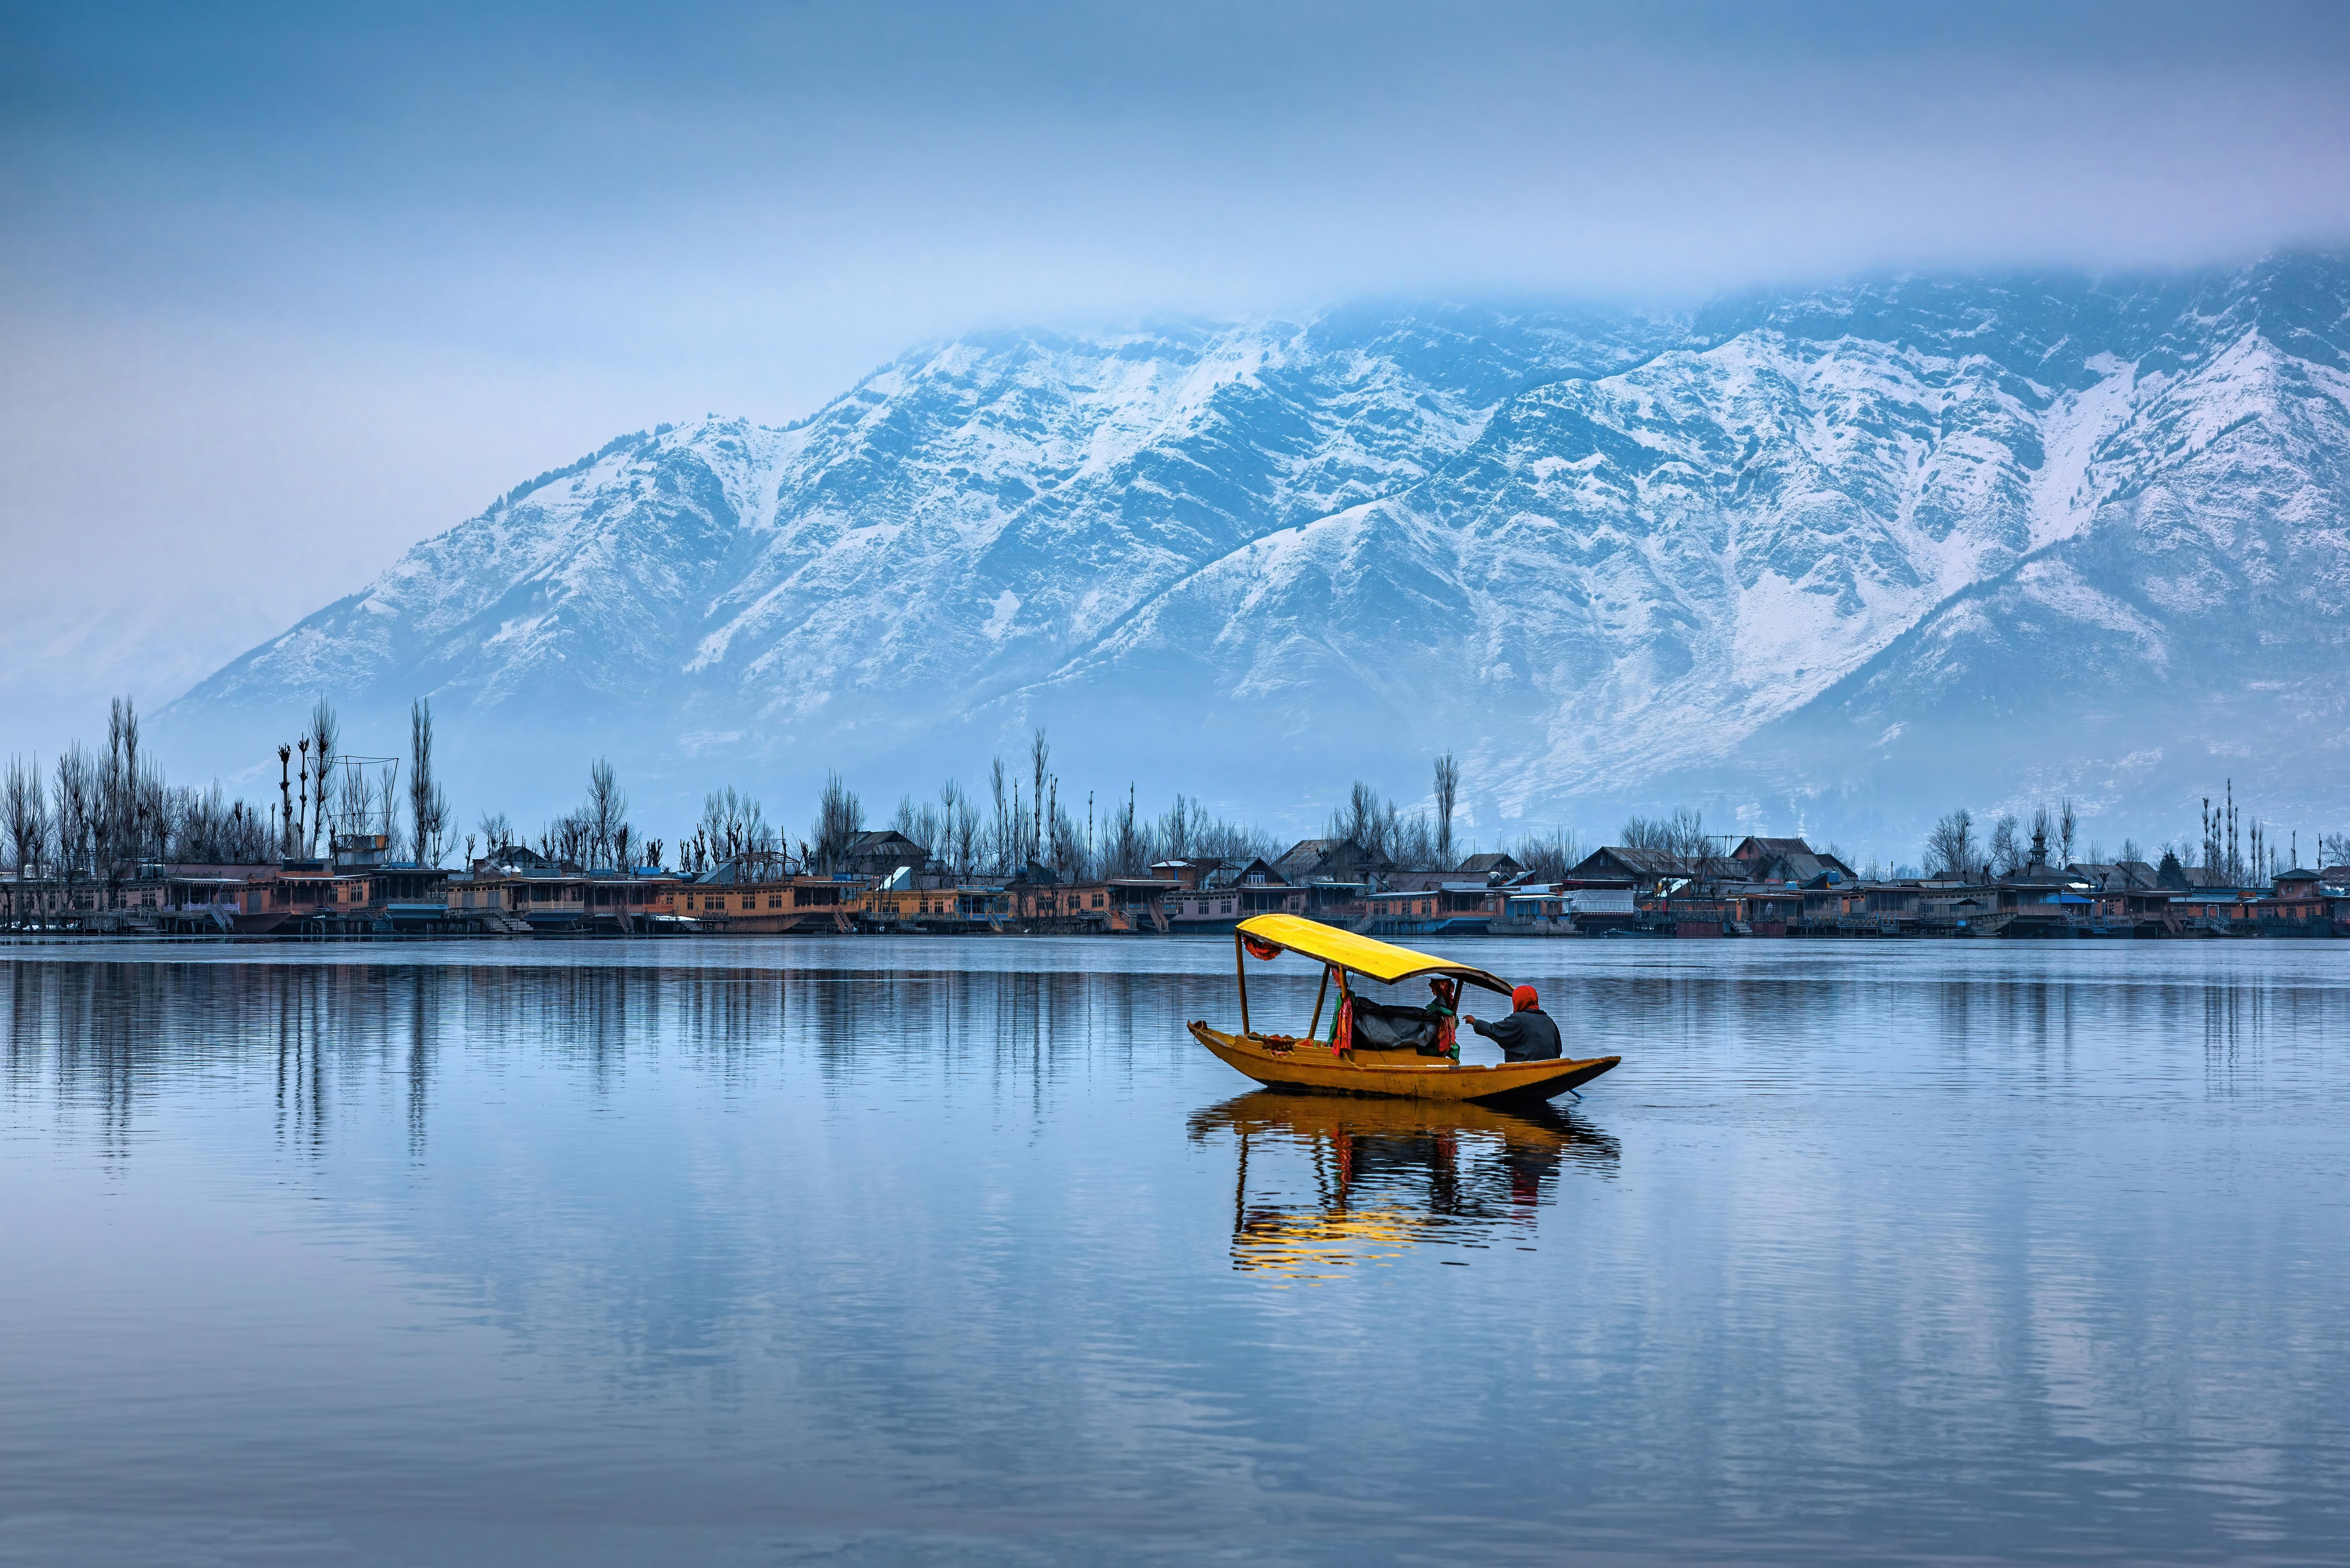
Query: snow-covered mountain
{"type": "Point", "coordinates": [1839, 559]}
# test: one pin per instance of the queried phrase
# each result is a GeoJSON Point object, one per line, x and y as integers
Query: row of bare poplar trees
{"type": "Point", "coordinates": [96, 817]}
{"type": "Point", "coordinates": [89, 822]}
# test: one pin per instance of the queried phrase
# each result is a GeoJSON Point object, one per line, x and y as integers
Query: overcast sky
{"type": "Point", "coordinates": [284, 288]}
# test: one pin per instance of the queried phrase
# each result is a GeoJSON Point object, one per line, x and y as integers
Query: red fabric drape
{"type": "Point", "coordinates": [1260, 949]}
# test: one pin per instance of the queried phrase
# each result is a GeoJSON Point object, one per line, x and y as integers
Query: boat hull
{"type": "Point", "coordinates": [1313, 1068]}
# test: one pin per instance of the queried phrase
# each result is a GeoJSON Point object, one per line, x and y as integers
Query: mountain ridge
{"type": "Point", "coordinates": [1661, 545]}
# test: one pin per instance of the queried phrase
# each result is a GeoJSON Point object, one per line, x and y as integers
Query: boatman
{"type": "Point", "coordinates": [1527, 1034]}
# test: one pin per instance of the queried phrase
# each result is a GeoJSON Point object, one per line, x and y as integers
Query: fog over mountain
{"type": "Point", "coordinates": [1833, 560]}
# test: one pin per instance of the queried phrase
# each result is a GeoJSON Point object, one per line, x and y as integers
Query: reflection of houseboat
{"type": "Point", "coordinates": [1345, 1183]}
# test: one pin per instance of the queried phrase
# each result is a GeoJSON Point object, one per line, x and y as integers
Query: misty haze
{"type": "Point", "coordinates": [1063, 784]}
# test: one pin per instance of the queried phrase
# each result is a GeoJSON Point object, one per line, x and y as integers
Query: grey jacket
{"type": "Point", "coordinates": [1528, 1037]}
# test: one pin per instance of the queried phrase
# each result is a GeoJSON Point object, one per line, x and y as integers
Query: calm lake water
{"type": "Point", "coordinates": [898, 1251]}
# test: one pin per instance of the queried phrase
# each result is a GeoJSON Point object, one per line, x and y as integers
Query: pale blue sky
{"type": "Point", "coordinates": [284, 288]}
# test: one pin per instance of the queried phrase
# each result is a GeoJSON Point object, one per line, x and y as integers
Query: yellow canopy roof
{"type": "Point", "coordinates": [1364, 955]}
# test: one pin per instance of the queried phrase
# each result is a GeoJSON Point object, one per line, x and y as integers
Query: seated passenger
{"type": "Point", "coordinates": [1527, 1034]}
{"type": "Point", "coordinates": [1447, 991]}
{"type": "Point", "coordinates": [1444, 1007]}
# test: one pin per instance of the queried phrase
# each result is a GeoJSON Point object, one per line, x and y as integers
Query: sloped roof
{"type": "Point", "coordinates": [1637, 862]}
{"type": "Point", "coordinates": [2127, 875]}
{"type": "Point", "coordinates": [1486, 865]}
{"type": "Point", "coordinates": [1805, 863]}
{"type": "Point", "coordinates": [1232, 874]}
{"type": "Point", "coordinates": [1776, 845]}
{"type": "Point", "coordinates": [1797, 865]}
{"type": "Point", "coordinates": [1310, 855]}
{"type": "Point", "coordinates": [763, 867]}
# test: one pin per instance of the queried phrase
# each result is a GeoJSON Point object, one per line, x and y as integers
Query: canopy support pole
{"type": "Point", "coordinates": [1314, 1030]}
{"type": "Point", "coordinates": [1240, 968]}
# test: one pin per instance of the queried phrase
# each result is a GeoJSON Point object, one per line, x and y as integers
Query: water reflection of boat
{"type": "Point", "coordinates": [1379, 1177]}
{"type": "Point", "coordinates": [1351, 1062]}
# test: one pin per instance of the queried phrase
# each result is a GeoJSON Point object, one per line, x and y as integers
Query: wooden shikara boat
{"type": "Point", "coordinates": [1353, 1068]}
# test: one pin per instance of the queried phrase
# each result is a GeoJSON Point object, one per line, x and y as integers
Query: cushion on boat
{"type": "Point", "coordinates": [1378, 1027]}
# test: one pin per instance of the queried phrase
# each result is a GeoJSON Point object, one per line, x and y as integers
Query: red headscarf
{"type": "Point", "coordinates": [1522, 999]}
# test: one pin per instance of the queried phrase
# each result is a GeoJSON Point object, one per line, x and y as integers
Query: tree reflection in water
{"type": "Point", "coordinates": [1343, 1183]}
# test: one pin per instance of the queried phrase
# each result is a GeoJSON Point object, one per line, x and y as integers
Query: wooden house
{"type": "Point", "coordinates": [1789, 862]}
{"type": "Point", "coordinates": [760, 894]}
{"type": "Point", "coordinates": [1458, 907]}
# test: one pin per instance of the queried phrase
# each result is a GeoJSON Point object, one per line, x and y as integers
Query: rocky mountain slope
{"type": "Point", "coordinates": [1846, 556]}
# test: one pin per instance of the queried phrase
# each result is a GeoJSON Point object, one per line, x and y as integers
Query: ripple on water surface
{"type": "Point", "coordinates": [907, 1250]}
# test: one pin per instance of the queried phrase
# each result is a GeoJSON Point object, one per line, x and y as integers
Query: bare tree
{"type": "Point", "coordinates": [286, 795]}
{"type": "Point", "coordinates": [496, 833]}
{"type": "Point", "coordinates": [1413, 842]}
{"type": "Point", "coordinates": [1219, 839]}
{"type": "Point", "coordinates": [388, 812]}
{"type": "Point", "coordinates": [116, 821]}
{"type": "Point", "coordinates": [606, 811]}
{"type": "Point", "coordinates": [73, 806]}
{"type": "Point", "coordinates": [25, 820]}
{"type": "Point", "coordinates": [428, 807]}
{"type": "Point", "coordinates": [1681, 835]}
{"type": "Point", "coordinates": [1363, 819]}
{"type": "Point", "coordinates": [299, 822]}
{"type": "Point", "coordinates": [999, 831]}
{"type": "Point", "coordinates": [1175, 828]}
{"type": "Point", "coordinates": [2068, 828]}
{"type": "Point", "coordinates": [326, 742]}
{"type": "Point", "coordinates": [732, 824]}
{"type": "Point", "coordinates": [1686, 833]}
{"type": "Point", "coordinates": [711, 831]}
{"type": "Point", "coordinates": [205, 828]}
{"type": "Point", "coordinates": [958, 826]}
{"type": "Point", "coordinates": [1128, 841]}
{"type": "Point", "coordinates": [1039, 753]}
{"type": "Point", "coordinates": [354, 805]}
{"type": "Point", "coordinates": [566, 840]}
{"type": "Point", "coordinates": [1065, 842]}
{"type": "Point", "coordinates": [2006, 853]}
{"type": "Point", "coordinates": [1549, 856]}
{"type": "Point", "coordinates": [839, 819]}
{"type": "Point", "coordinates": [1951, 848]}
{"type": "Point", "coordinates": [1448, 792]}
{"type": "Point", "coordinates": [968, 834]}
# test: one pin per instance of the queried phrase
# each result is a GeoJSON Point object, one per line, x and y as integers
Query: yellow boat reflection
{"type": "Point", "coordinates": [1340, 1184]}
